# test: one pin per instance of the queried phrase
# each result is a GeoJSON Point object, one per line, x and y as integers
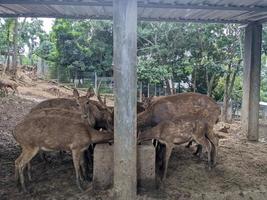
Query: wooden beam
{"type": "Point", "coordinates": [125, 60]}
{"type": "Point", "coordinates": [251, 80]}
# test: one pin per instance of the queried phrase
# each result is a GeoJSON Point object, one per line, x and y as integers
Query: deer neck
{"type": "Point", "coordinates": [100, 137]}
{"type": "Point", "coordinates": [144, 119]}
{"type": "Point", "coordinates": [149, 134]}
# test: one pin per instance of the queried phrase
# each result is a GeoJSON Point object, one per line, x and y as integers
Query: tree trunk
{"type": "Point", "coordinates": [168, 87]}
{"type": "Point", "coordinates": [8, 51]}
{"type": "Point", "coordinates": [209, 83]}
{"type": "Point", "coordinates": [140, 91]}
{"type": "Point", "coordinates": [15, 48]}
{"type": "Point", "coordinates": [42, 67]}
{"type": "Point", "coordinates": [30, 52]}
{"type": "Point", "coordinates": [148, 90]}
{"type": "Point", "coordinates": [173, 88]}
{"type": "Point", "coordinates": [226, 95]}
{"type": "Point", "coordinates": [194, 76]}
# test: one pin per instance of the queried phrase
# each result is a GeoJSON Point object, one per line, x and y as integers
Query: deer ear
{"type": "Point", "coordinates": [75, 93]}
{"type": "Point", "coordinates": [90, 92]}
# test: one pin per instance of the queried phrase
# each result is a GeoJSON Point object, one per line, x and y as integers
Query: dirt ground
{"type": "Point", "coordinates": [241, 172]}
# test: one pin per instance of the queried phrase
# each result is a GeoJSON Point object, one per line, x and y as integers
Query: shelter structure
{"type": "Point", "coordinates": [125, 13]}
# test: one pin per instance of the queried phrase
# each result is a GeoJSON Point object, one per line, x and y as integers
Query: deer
{"type": "Point", "coordinates": [184, 104]}
{"type": "Point", "coordinates": [103, 116]}
{"type": "Point", "coordinates": [182, 130]}
{"type": "Point", "coordinates": [53, 133]}
{"type": "Point", "coordinates": [72, 116]}
{"type": "Point", "coordinates": [4, 85]}
{"type": "Point", "coordinates": [79, 108]}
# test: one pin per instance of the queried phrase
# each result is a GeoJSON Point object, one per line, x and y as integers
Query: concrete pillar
{"type": "Point", "coordinates": [104, 165]}
{"type": "Point", "coordinates": [251, 81]}
{"type": "Point", "coordinates": [125, 60]}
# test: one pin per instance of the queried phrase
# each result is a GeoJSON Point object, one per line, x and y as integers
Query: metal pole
{"type": "Point", "coordinates": [141, 92]}
{"type": "Point", "coordinates": [148, 90]}
{"type": "Point", "coordinates": [96, 84]}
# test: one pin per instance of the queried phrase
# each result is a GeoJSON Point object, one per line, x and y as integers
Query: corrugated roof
{"type": "Point", "coordinates": [220, 11]}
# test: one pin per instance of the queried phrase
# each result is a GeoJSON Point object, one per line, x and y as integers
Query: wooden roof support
{"type": "Point", "coordinates": [251, 81]}
{"type": "Point", "coordinates": [125, 61]}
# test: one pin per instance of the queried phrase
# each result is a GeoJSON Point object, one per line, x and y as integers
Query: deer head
{"type": "Point", "coordinates": [94, 111]}
{"type": "Point", "coordinates": [107, 113]}
{"type": "Point", "coordinates": [90, 111]}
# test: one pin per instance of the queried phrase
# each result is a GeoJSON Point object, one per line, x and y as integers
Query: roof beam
{"type": "Point", "coordinates": [140, 4]}
{"type": "Point", "coordinates": [262, 21]}
{"type": "Point", "coordinates": [216, 21]}
{"type": "Point", "coordinates": [13, 11]}
{"type": "Point", "coordinates": [100, 17]}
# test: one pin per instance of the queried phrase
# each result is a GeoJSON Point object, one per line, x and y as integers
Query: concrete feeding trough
{"type": "Point", "coordinates": [262, 132]}
{"type": "Point", "coordinates": [103, 166]}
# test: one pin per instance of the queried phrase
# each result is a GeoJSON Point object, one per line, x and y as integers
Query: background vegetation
{"type": "Point", "coordinates": [205, 58]}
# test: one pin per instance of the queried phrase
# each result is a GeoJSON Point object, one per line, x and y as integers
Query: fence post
{"type": "Point", "coordinates": [96, 83]}
{"type": "Point", "coordinates": [140, 92]}
{"type": "Point", "coordinates": [148, 90]}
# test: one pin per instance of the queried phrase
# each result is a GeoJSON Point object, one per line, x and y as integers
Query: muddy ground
{"type": "Point", "coordinates": [241, 172]}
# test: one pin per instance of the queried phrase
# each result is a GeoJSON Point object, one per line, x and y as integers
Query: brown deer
{"type": "Point", "coordinates": [54, 132]}
{"type": "Point", "coordinates": [184, 104]}
{"type": "Point", "coordinates": [140, 107]}
{"type": "Point", "coordinates": [6, 84]}
{"type": "Point", "coordinates": [182, 130]}
{"type": "Point", "coordinates": [103, 116]}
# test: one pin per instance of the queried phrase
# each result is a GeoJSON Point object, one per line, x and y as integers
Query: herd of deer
{"type": "Point", "coordinates": [63, 124]}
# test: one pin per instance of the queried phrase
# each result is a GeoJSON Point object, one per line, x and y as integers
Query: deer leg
{"type": "Point", "coordinates": [207, 144]}
{"type": "Point", "coordinates": [213, 151]}
{"type": "Point", "coordinates": [43, 157]}
{"type": "Point", "coordinates": [29, 171]}
{"type": "Point", "coordinates": [213, 154]}
{"type": "Point", "coordinates": [209, 149]}
{"type": "Point", "coordinates": [189, 144]}
{"type": "Point", "coordinates": [61, 155]}
{"type": "Point", "coordinates": [76, 156]}
{"type": "Point", "coordinates": [25, 159]}
{"type": "Point", "coordinates": [84, 166]}
{"type": "Point", "coordinates": [166, 159]}
{"type": "Point", "coordinates": [155, 142]}
{"type": "Point", "coordinates": [17, 161]}
{"type": "Point", "coordinates": [6, 91]}
{"type": "Point", "coordinates": [198, 151]}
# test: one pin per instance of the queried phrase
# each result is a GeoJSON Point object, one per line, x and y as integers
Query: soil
{"type": "Point", "coordinates": [241, 172]}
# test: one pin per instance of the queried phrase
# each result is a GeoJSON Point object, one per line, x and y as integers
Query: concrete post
{"type": "Point", "coordinates": [251, 81]}
{"type": "Point", "coordinates": [125, 60]}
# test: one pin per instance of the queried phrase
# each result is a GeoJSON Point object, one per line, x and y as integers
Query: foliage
{"type": "Point", "coordinates": [204, 58]}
